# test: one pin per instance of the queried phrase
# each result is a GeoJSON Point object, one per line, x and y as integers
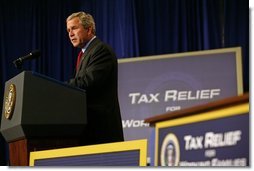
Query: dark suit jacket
{"type": "Point", "coordinates": [97, 74]}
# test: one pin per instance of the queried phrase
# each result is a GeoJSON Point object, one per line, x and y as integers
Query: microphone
{"type": "Point", "coordinates": [34, 54]}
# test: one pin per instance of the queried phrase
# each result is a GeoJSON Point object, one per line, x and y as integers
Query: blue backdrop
{"type": "Point", "coordinates": [132, 27]}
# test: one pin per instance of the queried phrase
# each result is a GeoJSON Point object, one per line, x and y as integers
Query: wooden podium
{"type": "Point", "coordinates": [198, 109]}
{"type": "Point", "coordinates": [40, 113]}
{"type": "Point", "coordinates": [212, 134]}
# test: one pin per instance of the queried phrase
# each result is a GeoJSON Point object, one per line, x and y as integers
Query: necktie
{"type": "Point", "coordinates": [78, 59]}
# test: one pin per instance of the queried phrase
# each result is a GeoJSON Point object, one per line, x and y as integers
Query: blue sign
{"type": "Point", "coordinates": [158, 84]}
{"type": "Point", "coordinates": [218, 142]}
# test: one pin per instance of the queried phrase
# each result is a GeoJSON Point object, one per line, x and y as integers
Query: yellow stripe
{"type": "Point", "coordinates": [184, 54]}
{"type": "Point", "coordinates": [156, 146]}
{"type": "Point", "coordinates": [239, 71]}
{"type": "Point", "coordinates": [94, 149]}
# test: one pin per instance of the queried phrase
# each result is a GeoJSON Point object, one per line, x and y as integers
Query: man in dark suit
{"type": "Point", "coordinates": [96, 72]}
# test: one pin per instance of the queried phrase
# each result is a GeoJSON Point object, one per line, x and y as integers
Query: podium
{"type": "Point", "coordinates": [40, 113]}
{"type": "Point", "coordinates": [212, 134]}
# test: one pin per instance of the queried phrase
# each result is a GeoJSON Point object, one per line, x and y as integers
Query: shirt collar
{"type": "Point", "coordinates": [85, 47]}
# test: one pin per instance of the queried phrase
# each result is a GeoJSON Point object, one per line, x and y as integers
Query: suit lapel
{"type": "Point", "coordinates": [85, 56]}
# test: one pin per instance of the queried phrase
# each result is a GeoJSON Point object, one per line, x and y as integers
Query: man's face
{"type": "Point", "coordinates": [78, 35]}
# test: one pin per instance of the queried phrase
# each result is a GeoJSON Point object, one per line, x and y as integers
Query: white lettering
{"type": "Point", "coordinates": [137, 98]}
{"type": "Point", "coordinates": [182, 95]}
{"type": "Point", "coordinates": [143, 99]}
{"type": "Point", "coordinates": [210, 153]}
{"type": "Point", "coordinates": [170, 94]}
{"type": "Point", "coordinates": [154, 97]}
{"type": "Point", "coordinates": [175, 95]}
{"type": "Point", "coordinates": [214, 92]}
{"type": "Point", "coordinates": [230, 138]}
{"type": "Point", "coordinates": [196, 163]}
{"type": "Point", "coordinates": [205, 94]}
{"type": "Point", "coordinates": [173, 108]}
{"type": "Point", "coordinates": [217, 162]}
{"type": "Point", "coordinates": [240, 162]}
{"type": "Point", "coordinates": [193, 142]}
{"type": "Point", "coordinates": [134, 123]}
{"type": "Point", "coordinates": [133, 97]}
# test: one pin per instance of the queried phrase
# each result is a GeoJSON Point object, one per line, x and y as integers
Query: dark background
{"type": "Point", "coordinates": [133, 28]}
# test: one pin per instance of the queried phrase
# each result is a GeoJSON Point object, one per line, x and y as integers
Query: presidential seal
{"type": "Point", "coordinates": [10, 100]}
{"type": "Point", "coordinates": [170, 151]}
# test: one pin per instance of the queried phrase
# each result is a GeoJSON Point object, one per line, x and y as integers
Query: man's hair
{"type": "Point", "coordinates": [85, 18]}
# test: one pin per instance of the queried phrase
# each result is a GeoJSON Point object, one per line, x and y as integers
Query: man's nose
{"type": "Point", "coordinates": [71, 34]}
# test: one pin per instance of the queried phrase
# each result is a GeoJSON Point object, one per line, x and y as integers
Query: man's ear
{"type": "Point", "coordinates": [89, 31]}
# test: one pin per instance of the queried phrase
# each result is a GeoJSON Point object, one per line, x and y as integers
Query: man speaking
{"type": "Point", "coordinates": [96, 72]}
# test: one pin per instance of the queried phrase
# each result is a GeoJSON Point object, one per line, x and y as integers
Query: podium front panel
{"type": "Point", "coordinates": [215, 138]}
{"type": "Point", "coordinates": [44, 107]}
